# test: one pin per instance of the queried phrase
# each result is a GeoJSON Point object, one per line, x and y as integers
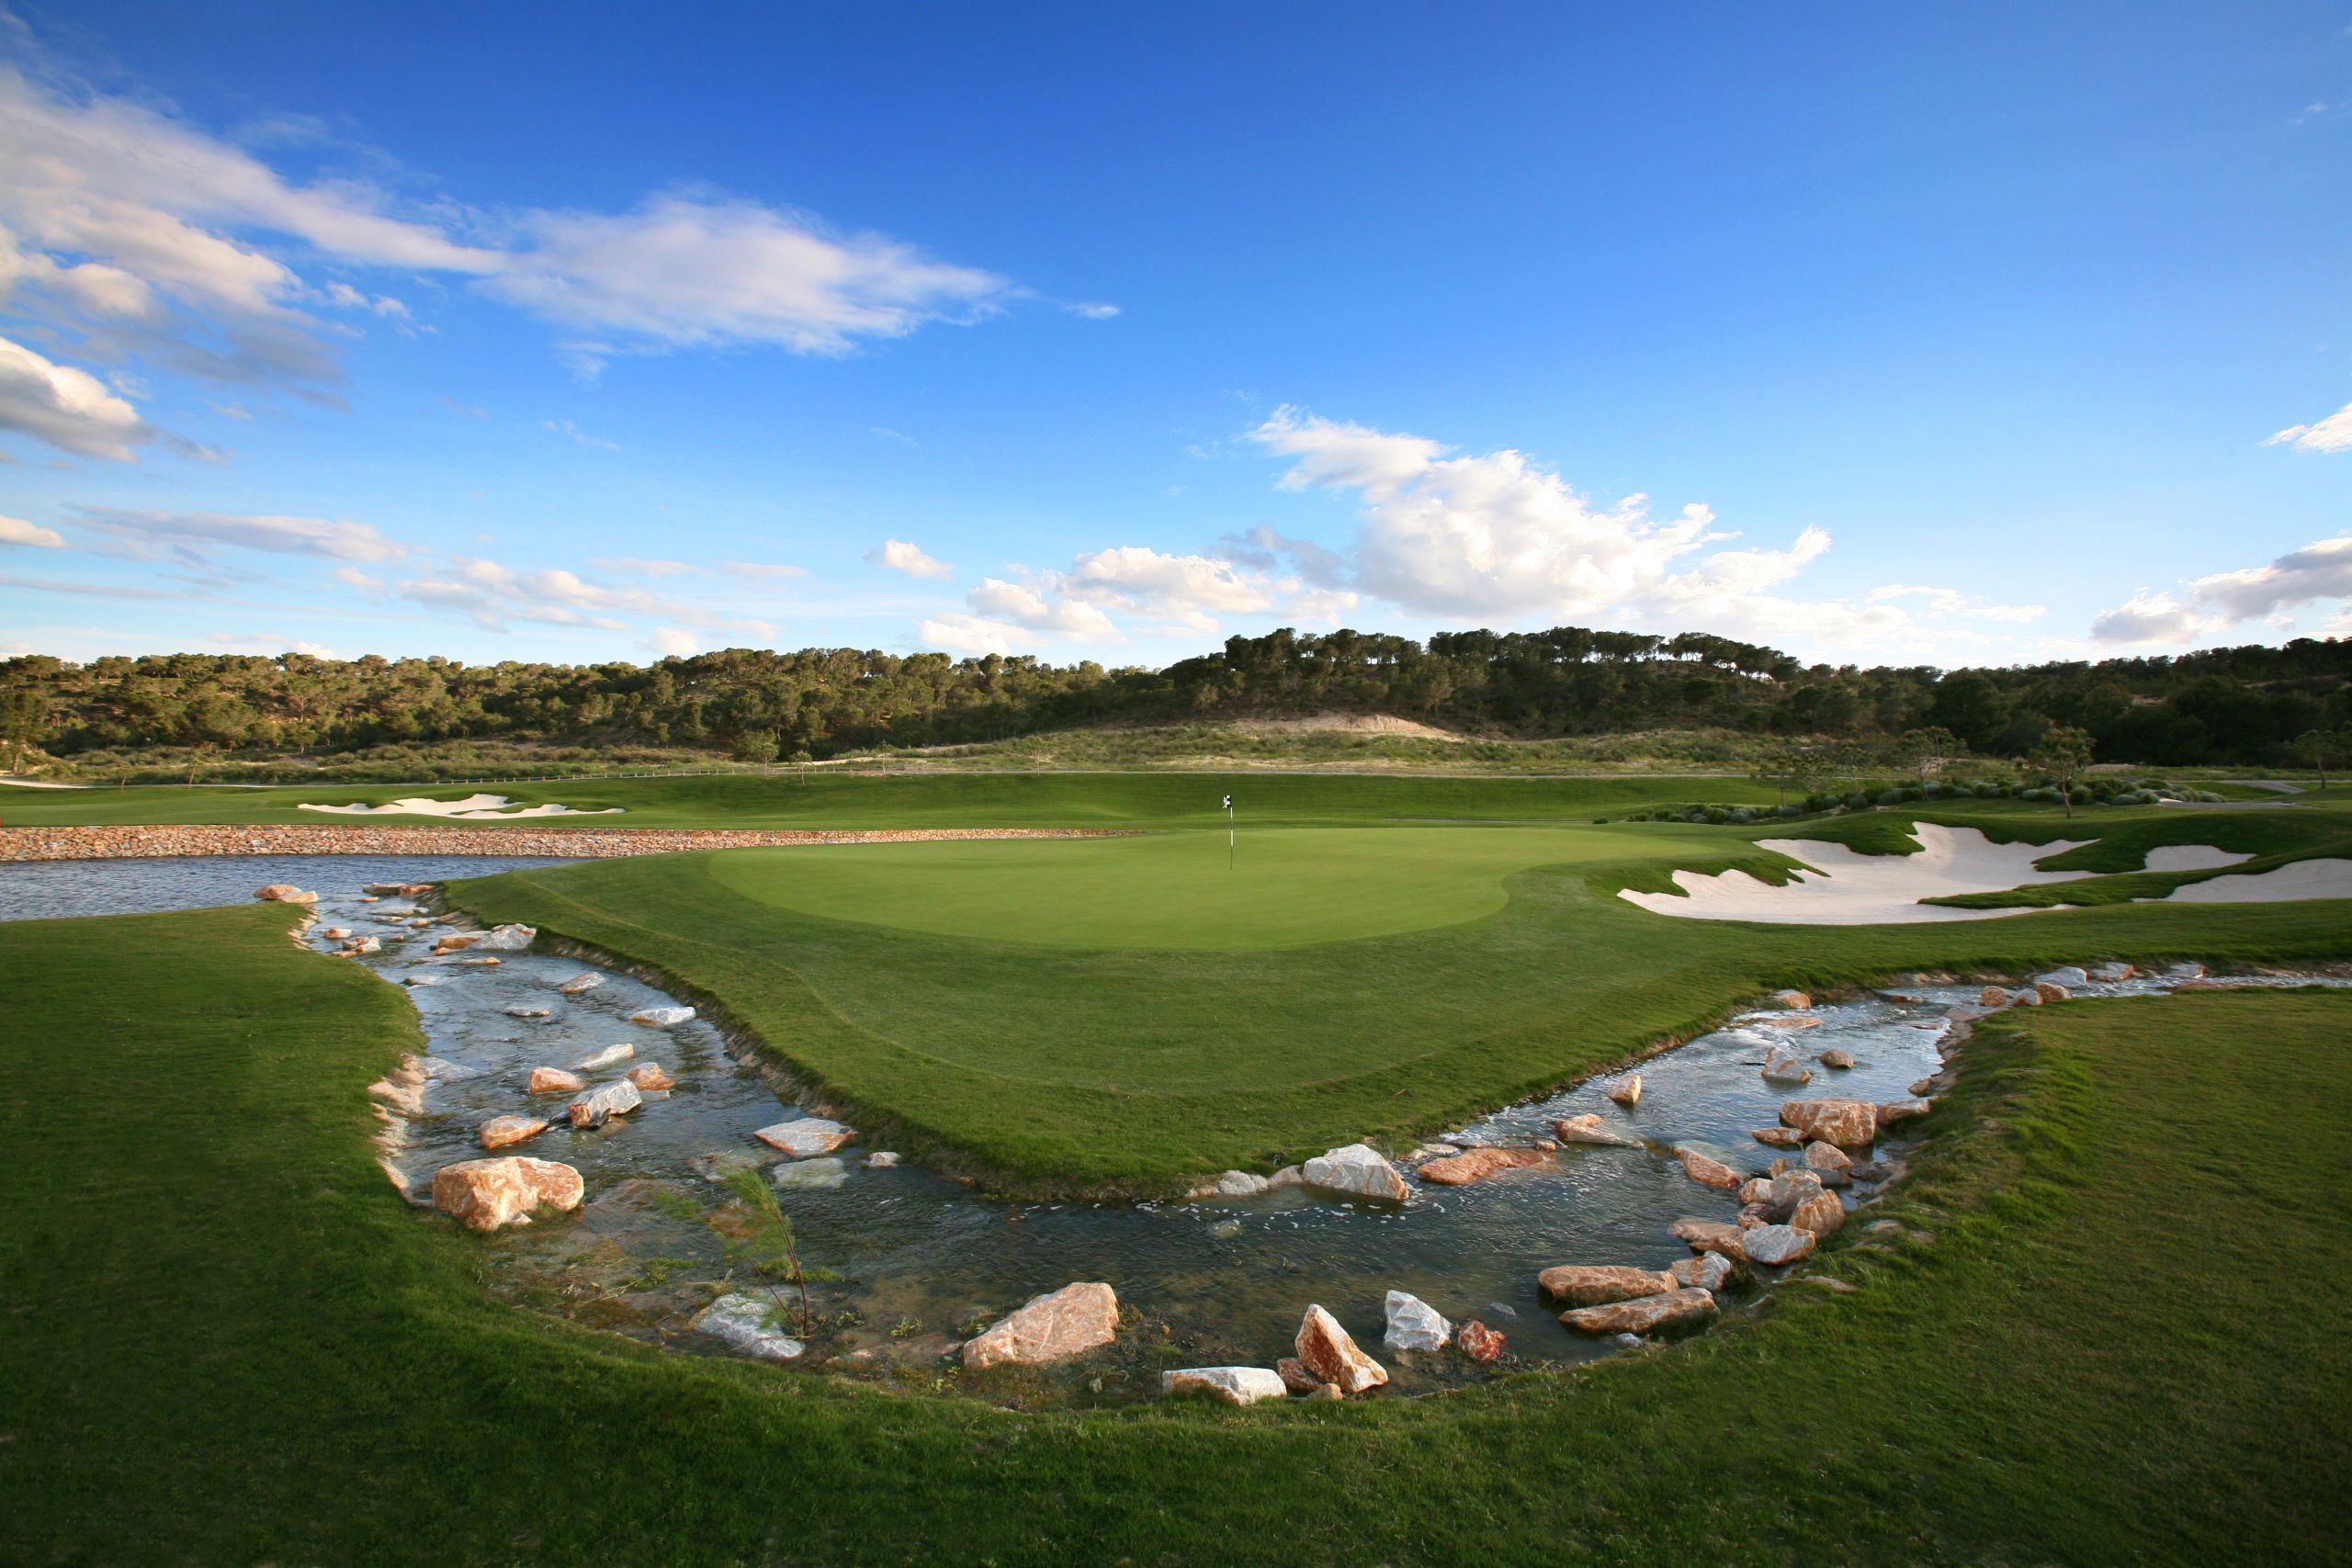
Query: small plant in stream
{"type": "Point", "coordinates": [767, 1237]}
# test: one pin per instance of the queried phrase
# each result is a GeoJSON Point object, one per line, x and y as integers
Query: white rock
{"type": "Point", "coordinates": [613, 1100]}
{"type": "Point", "coordinates": [805, 1138]}
{"type": "Point", "coordinates": [527, 1012]}
{"type": "Point", "coordinates": [662, 1018]}
{"type": "Point", "coordinates": [1707, 1272]}
{"type": "Point", "coordinates": [1232, 1184]}
{"type": "Point", "coordinates": [507, 939]}
{"type": "Point", "coordinates": [2067, 976]}
{"type": "Point", "coordinates": [1358, 1168]}
{"type": "Point", "coordinates": [810, 1174]}
{"type": "Point", "coordinates": [1288, 1176]}
{"type": "Point", "coordinates": [1235, 1385]}
{"type": "Point", "coordinates": [1414, 1324]}
{"type": "Point", "coordinates": [1776, 1243]}
{"type": "Point", "coordinates": [742, 1324]}
{"type": "Point", "coordinates": [587, 981]}
{"type": "Point", "coordinates": [880, 1159]}
{"type": "Point", "coordinates": [604, 1058]}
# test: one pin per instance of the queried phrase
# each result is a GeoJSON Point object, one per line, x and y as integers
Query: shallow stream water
{"type": "Point", "coordinates": [908, 1262]}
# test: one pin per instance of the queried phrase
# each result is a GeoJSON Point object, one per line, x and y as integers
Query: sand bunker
{"type": "Point", "coordinates": [473, 809]}
{"type": "Point", "coordinates": [2300, 879]}
{"type": "Point", "coordinates": [2192, 857]}
{"type": "Point", "coordinates": [1846, 888]}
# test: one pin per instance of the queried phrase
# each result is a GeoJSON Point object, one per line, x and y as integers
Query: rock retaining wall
{"type": "Point", "coordinates": [570, 844]}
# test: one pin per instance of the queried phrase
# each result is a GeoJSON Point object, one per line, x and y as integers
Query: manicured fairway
{"type": "Point", "coordinates": [1130, 1014]}
{"type": "Point", "coordinates": [2110, 1331]}
{"type": "Point", "coordinates": [983, 800]}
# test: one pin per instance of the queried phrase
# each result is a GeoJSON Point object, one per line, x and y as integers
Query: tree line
{"type": "Point", "coordinates": [2255, 704]}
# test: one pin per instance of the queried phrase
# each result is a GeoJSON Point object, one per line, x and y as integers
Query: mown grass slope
{"type": "Point", "coordinates": [1131, 1013]}
{"type": "Point", "coordinates": [2106, 1334]}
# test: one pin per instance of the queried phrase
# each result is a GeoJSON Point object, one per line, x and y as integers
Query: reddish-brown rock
{"type": "Point", "coordinates": [555, 1080]}
{"type": "Point", "coordinates": [1778, 1137]}
{"type": "Point", "coordinates": [1327, 1353]}
{"type": "Point", "coordinates": [1849, 1124]}
{"type": "Point", "coordinates": [1820, 1214]}
{"type": "Point", "coordinates": [483, 1195]}
{"type": "Point", "coordinates": [1592, 1284]}
{"type": "Point", "coordinates": [1627, 1090]}
{"type": "Point", "coordinates": [1643, 1316]}
{"type": "Point", "coordinates": [502, 1132]}
{"type": "Point", "coordinates": [1295, 1376]}
{"type": "Point", "coordinates": [1068, 1322]}
{"type": "Point", "coordinates": [1478, 1342]}
{"type": "Point", "coordinates": [650, 1076]}
{"type": "Point", "coordinates": [1713, 1236]}
{"type": "Point", "coordinates": [1477, 1164]}
{"type": "Point", "coordinates": [1708, 1172]}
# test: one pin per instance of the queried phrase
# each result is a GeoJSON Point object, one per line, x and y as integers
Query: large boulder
{"type": "Point", "coordinates": [1295, 1376]}
{"type": "Point", "coordinates": [746, 1325]}
{"type": "Point", "coordinates": [1414, 1324]}
{"type": "Point", "coordinates": [507, 939]}
{"type": "Point", "coordinates": [1356, 1169]}
{"type": "Point", "coordinates": [1782, 1066]}
{"type": "Point", "coordinates": [613, 1100]}
{"type": "Point", "coordinates": [1326, 1350]}
{"type": "Point", "coordinates": [555, 1080]}
{"type": "Point", "coordinates": [1051, 1327]}
{"type": "Point", "coordinates": [1477, 1165]}
{"type": "Point", "coordinates": [1235, 1385]}
{"type": "Point", "coordinates": [1708, 1172]}
{"type": "Point", "coordinates": [1796, 1000]}
{"type": "Point", "coordinates": [650, 1076]}
{"type": "Point", "coordinates": [662, 1018]}
{"type": "Point", "coordinates": [1479, 1342]}
{"type": "Point", "coordinates": [2050, 991]}
{"type": "Point", "coordinates": [1849, 1124]}
{"type": "Point", "coordinates": [502, 1131]}
{"type": "Point", "coordinates": [1838, 1059]}
{"type": "Point", "coordinates": [2066, 975]}
{"type": "Point", "coordinates": [1777, 1244]}
{"type": "Point", "coordinates": [1642, 1315]}
{"type": "Point", "coordinates": [1828, 1161]}
{"type": "Point", "coordinates": [284, 893]}
{"type": "Point", "coordinates": [1993, 997]}
{"type": "Point", "coordinates": [483, 1195]}
{"type": "Point", "coordinates": [1591, 1129]}
{"type": "Point", "coordinates": [1592, 1284]}
{"type": "Point", "coordinates": [807, 1137]}
{"type": "Point", "coordinates": [1627, 1090]}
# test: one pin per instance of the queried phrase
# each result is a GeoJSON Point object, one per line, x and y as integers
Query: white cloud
{"type": "Point", "coordinates": [763, 572]}
{"type": "Point", "coordinates": [2149, 617]}
{"type": "Point", "coordinates": [673, 642]}
{"type": "Point", "coordinates": [1951, 602]}
{"type": "Point", "coordinates": [688, 271]}
{"type": "Point", "coordinates": [2320, 571]}
{"type": "Point", "coordinates": [149, 536]}
{"type": "Point", "coordinates": [270, 642]}
{"type": "Point", "coordinates": [146, 234]}
{"type": "Point", "coordinates": [1023, 604]}
{"type": "Point", "coordinates": [493, 595]}
{"type": "Point", "coordinates": [17, 531]}
{"type": "Point", "coordinates": [638, 566]}
{"type": "Point", "coordinates": [564, 427]}
{"type": "Point", "coordinates": [973, 636]}
{"type": "Point", "coordinates": [67, 408]}
{"type": "Point", "coordinates": [900, 556]}
{"type": "Point", "coordinates": [2333, 434]}
{"type": "Point", "coordinates": [886, 433]}
{"type": "Point", "coordinates": [1480, 537]}
{"type": "Point", "coordinates": [1094, 311]}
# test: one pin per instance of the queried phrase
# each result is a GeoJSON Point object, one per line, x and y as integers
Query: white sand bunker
{"type": "Point", "coordinates": [2299, 879]}
{"type": "Point", "coordinates": [474, 807]}
{"type": "Point", "coordinates": [1846, 888]}
{"type": "Point", "coordinates": [2192, 857]}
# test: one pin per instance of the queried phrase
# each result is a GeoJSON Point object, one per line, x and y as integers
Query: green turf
{"type": "Point", "coordinates": [2111, 1334]}
{"type": "Point", "coordinates": [1128, 1015]}
{"type": "Point", "coordinates": [981, 800]}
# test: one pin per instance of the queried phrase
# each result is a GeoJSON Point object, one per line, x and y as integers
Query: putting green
{"type": "Point", "coordinates": [1282, 888]}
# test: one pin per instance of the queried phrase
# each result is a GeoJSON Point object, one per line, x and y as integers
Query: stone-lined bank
{"type": "Point", "coordinates": [558, 844]}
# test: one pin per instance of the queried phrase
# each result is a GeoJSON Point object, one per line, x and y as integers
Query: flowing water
{"type": "Point", "coordinates": [906, 1263]}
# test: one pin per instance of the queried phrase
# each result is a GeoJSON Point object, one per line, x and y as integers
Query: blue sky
{"type": "Point", "coordinates": [1880, 333]}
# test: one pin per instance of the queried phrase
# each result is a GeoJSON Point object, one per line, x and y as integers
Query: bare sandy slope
{"type": "Point", "coordinates": [473, 807]}
{"type": "Point", "coordinates": [2302, 879]}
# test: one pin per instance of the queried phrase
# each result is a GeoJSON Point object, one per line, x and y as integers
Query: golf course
{"type": "Point", "coordinates": [229, 1339]}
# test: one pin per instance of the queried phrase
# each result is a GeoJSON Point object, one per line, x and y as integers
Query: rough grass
{"type": "Point", "coordinates": [1126, 1016]}
{"type": "Point", "coordinates": [2111, 1333]}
